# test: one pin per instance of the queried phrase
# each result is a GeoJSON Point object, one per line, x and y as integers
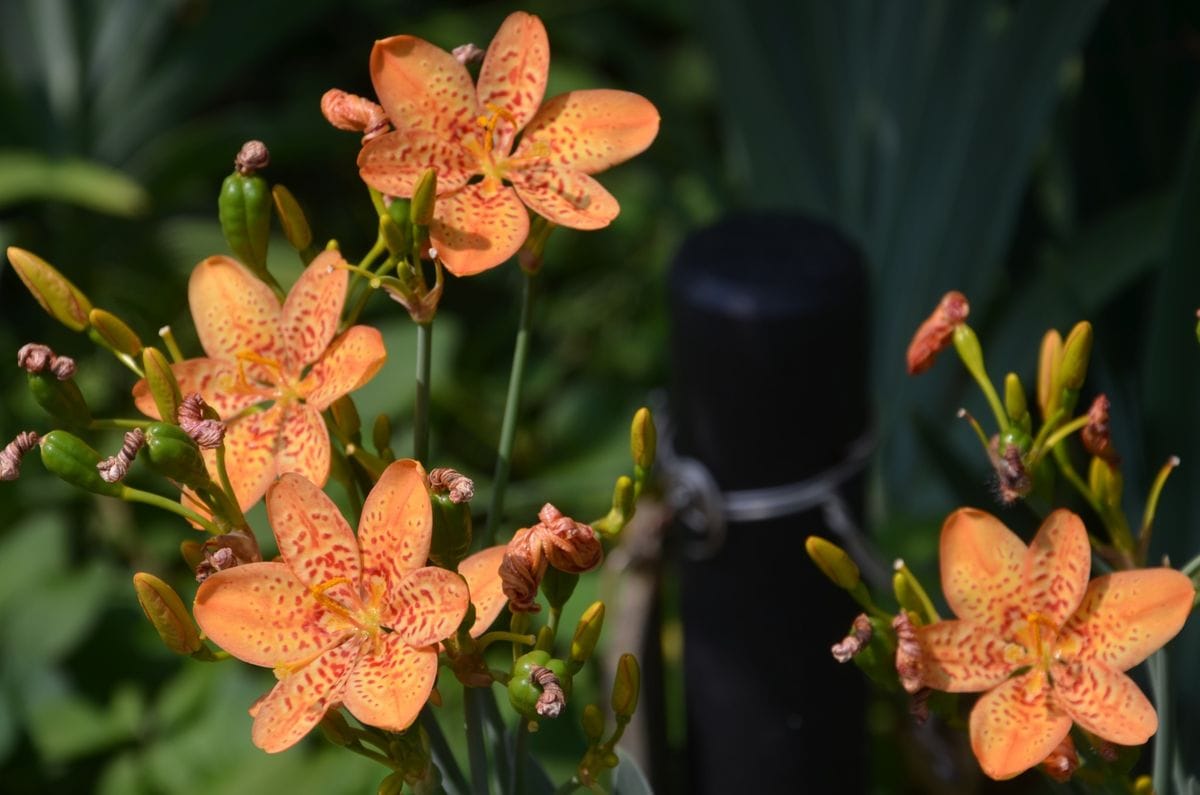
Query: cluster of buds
{"type": "Point", "coordinates": [556, 541]}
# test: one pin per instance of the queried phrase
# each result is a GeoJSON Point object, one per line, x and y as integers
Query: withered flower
{"type": "Point", "coordinates": [860, 635]}
{"type": "Point", "coordinates": [1096, 435]}
{"type": "Point", "coordinates": [935, 333]}
{"type": "Point", "coordinates": [557, 541]}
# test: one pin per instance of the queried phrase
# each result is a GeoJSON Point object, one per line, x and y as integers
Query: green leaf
{"type": "Point", "coordinates": [68, 726]}
{"type": "Point", "coordinates": [27, 176]}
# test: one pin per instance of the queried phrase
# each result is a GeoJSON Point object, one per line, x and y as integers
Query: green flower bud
{"type": "Point", "coordinates": [381, 436]}
{"type": "Point", "coordinates": [176, 455]}
{"type": "Point", "coordinates": [58, 296]}
{"type": "Point", "coordinates": [115, 333]}
{"type": "Point", "coordinates": [424, 198]}
{"type": "Point", "coordinates": [593, 723]}
{"type": "Point", "coordinates": [166, 612]}
{"type": "Point", "coordinates": [160, 380]}
{"type": "Point", "coordinates": [833, 562]}
{"type": "Point", "coordinates": [60, 399]}
{"type": "Point", "coordinates": [911, 595]}
{"type": "Point", "coordinates": [626, 687]}
{"type": "Point", "coordinates": [558, 586]}
{"type": "Point", "coordinates": [393, 784]}
{"type": "Point", "coordinates": [393, 235]}
{"type": "Point", "coordinates": [1105, 482]}
{"type": "Point", "coordinates": [1077, 350]}
{"type": "Point", "coordinates": [345, 417]}
{"type": "Point", "coordinates": [72, 460]}
{"type": "Point", "coordinates": [624, 503]}
{"type": "Point", "coordinates": [452, 531]}
{"type": "Point", "coordinates": [1049, 358]}
{"type": "Point", "coordinates": [969, 350]}
{"type": "Point", "coordinates": [1014, 402]}
{"type": "Point", "coordinates": [587, 634]}
{"type": "Point", "coordinates": [643, 440]}
{"type": "Point", "coordinates": [291, 218]}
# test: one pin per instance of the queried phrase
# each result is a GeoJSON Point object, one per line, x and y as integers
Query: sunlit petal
{"type": "Point", "coordinates": [428, 605]}
{"type": "Point", "coordinates": [422, 87]}
{"type": "Point", "coordinates": [393, 163]}
{"type": "Point", "coordinates": [313, 538]}
{"type": "Point", "coordinates": [391, 683]}
{"type": "Point", "coordinates": [217, 382]}
{"type": "Point", "coordinates": [474, 230]}
{"type": "Point", "coordinates": [568, 198]}
{"type": "Point", "coordinates": [1105, 702]}
{"type": "Point", "coordinates": [303, 444]}
{"type": "Point", "coordinates": [396, 523]}
{"type": "Point", "coordinates": [514, 71]}
{"type": "Point", "coordinates": [962, 657]}
{"type": "Point", "coordinates": [300, 699]}
{"type": "Point", "coordinates": [981, 565]}
{"type": "Point", "coordinates": [1056, 567]}
{"type": "Point", "coordinates": [351, 361]}
{"type": "Point", "coordinates": [312, 310]}
{"type": "Point", "coordinates": [1016, 725]}
{"type": "Point", "coordinates": [251, 444]}
{"type": "Point", "coordinates": [234, 312]}
{"type": "Point", "coordinates": [482, 573]}
{"type": "Point", "coordinates": [591, 130]}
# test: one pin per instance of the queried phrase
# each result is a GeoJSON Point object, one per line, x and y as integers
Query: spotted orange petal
{"type": "Point", "coordinates": [390, 685]}
{"type": "Point", "coordinates": [474, 230]}
{"type": "Point", "coordinates": [981, 565]}
{"type": "Point", "coordinates": [300, 699]}
{"type": "Point", "coordinates": [514, 71]}
{"type": "Point", "coordinates": [422, 87]}
{"type": "Point", "coordinates": [590, 130]}
{"type": "Point", "coordinates": [962, 657]}
{"type": "Point", "coordinates": [312, 310]}
{"type": "Point", "coordinates": [234, 312]}
{"type": "Point", "coordinates": [1127, 616]}
{"type": "Point", "coordinates": [568, 198]}
{"type": "Point", "coordinates": [428, 605]}
{"type": "Point", "coordinates": [396, 523]}
{"type": "Point", "coordinates": [1105, 702]}
{"type": "Point", "coordinates": [314, 540]}
{"type": "Point", "coordinates": [303, 444]}
{"type": "Point", "coordinates": [261, 614]}
{"type": "Point", "coordinates": [482, 573]}
{"type": "Point", "coordinates": [393, 163]}
{"type": "Point", "coordinates": [217, 382]}
{"type": "Point", "coordinates": [251, 443]}
{"type": "Point", "coordinates": [1015, 726]}
{"type": "Point", "coordinates": [1057, 566]}
{"type": "Point", "coordinates": [351, 360]}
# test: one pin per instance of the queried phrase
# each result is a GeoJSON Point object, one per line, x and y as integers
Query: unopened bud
{"type": "Point", "coordinates": [161, 383]}
{"type": "Point", "coordinates": [1014, 401]}
{"type": "Point", "coordinates": [381, 435]}
{"type": "Point", "coordinates": [558, 585]}
{"type": "Point", "coordinates": [345, 417]}
{"type": "Point", "coordinates": [115, 333]}
{"type": "Point", "coordinates": [593, 723]}
{"type": "Point", "coordinates": [911, 595]}
{"type": "Point", "coordinates": [291, 218]}
{"type": "Point", "coordinates": [970, 351]}
{"type": "Point", "coordinates": [166, 612]}
{"type": "Point", "coordinates": [1062, 762]}
{"type": "Point", "coordinates": [849, 647]}
{"type": "Point", "coordinates": [933, 335]}
{"type": "Point", "coordinates": [336, 729]}
{"type": "Point", "coordinates": [13, 452]}
{"type": "Point", "coordinates": [626, 687]}
{"type": "Point", "coordinates": [1096, 435]}
{"type": "Point", "coordinates": [393, 236]}
{"type": "Point", "coordinates": [1077, 350]}
{"type": "Point", "coordinates": [114, 468]}
{"type": "Point", "coordinates": [354, 113]}
{"type": "Point", "coordinates": [833, 562]}
{"type": "Point", "coordinates": [643, 439]}
{"type": "Point", "coordinates": [1106, 482]}
{"type": "Point", "coordinates": [1049, 358]}
{"type": "Point", "coordinates": [587, 635]}
{"type": "Point", "coordinates": [393, 783]}
{"type": "Point", "coordinates": [252, 157]}
{"type": "Point", "coordinates": [65, 302]}
{"type": "Point", "coordinates": [424, 197]}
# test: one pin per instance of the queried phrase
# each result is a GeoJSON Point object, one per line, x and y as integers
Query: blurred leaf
{"type": "Point", "coordinates": [29, 553]}
{"type": "Point", "coordinates": [71, 726]}
{"type": "Point", "coordinates": [31, 176]}
{"type": "Point", "coordinates": [55, 615]}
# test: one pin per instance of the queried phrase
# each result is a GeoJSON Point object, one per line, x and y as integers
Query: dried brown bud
{"type": "Point", "coordinates": [1012, 479]}
{"type": "Point", "coordinates": [252, 157]}
{"type": "Point", "coordinates": [13, 452]}
{"type": "Point", "coordinates": [114, 468]}
{"type": "Point", "coordinates": [551, 702]}
{"type": "Point", "coordinates": [1096, 436]}
{"type": "Point", "coordinates": [460, 487]}
{"type": "Point", "coordinates": [935, 333]}
{"type": "Point", "coordinates": [569, 545]}
{"type": "Point", "coordinates": [1062, 762]}
{"type": "Point", "coordinates": [225, 552]}
{"type": "Point", "coordinates": [467, 53]}
{"type": "Point", "coordinates": [856, 641]}
{"type": "Point", "coordinates": [354, 113]}
{"type": "Point", "coordinates": [908, 653]}
{"type": "Point", "coordinates": [36, 358]}
{"type": "Point", "coordinates": [205, 431]}
{"type": "Point", "coordinates": [918, 705]}
{"type": "Point", "coordinates": [522, 569]}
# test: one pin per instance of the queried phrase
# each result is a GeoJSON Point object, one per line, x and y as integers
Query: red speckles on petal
{"type": "Point", "coordinates": [961, 657]}
{"type": "Point", "coordinates": [251, 443]}
{"type": "Point", "coordinates": [422, 87]}
{"type": "Point", "coordinates": [391, 684]}
{"type": "Point", "coordinates": [568, 198]}
{"type": "Point", "coordinates": [312, 310]}
{"type": "Point", "coordinates": [591, 130]}
{"type": "Point", "coordinates": [981, 565]}
{"type": "Point", "coordinates": [1105, 702]}
{"type": "Point", "coordinates": [1016, 725]}
{"type": "Point", "coordinates": [478, 227]}
{"type": "Point", "coordinates": [313, 538]}
{"type": "Point", "coordinates": [303, 444]}
{"type": "Point", "coordinates": [428, 605]}
{"type": "Point", "coordinates": [301, 698]}
{"type": "Point", "coordinates": [351, 361]}
{"type": "Point", "coordinates": [514, 71]}
{"type": "Point", "coordinates": [396, 523]}
{"type": "Point", "coordinates": [1056, 567]}
{"type": "Point", "coordinates": [233, 310]}
{"type": "Point", "coordinates": [393, 163]}
{"type": "Point", "coordinates": [216, 380]}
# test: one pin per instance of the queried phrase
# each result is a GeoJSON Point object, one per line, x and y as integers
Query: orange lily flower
{"type": "Point", "coordinates": [342, 619]}
{"type": "Point", "coordinates": [1047, 646]}
{"type": "Point", "coordinates": [260, 351]}
{"type": "Point", "coordinates": [466, 131]}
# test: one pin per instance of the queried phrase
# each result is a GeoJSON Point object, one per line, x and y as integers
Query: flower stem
{"type": "Point", "coordinates": [493, 720]}
{"type": "Point", "coordinates": [520, 752]}
{"type": "Point", "coordinates": [508, 427]}
{"type": "Point", "coordinates": [512, 637]}
{"type": "Point", "coordinates": [97, 425]}
{"type": "Point", "coordinates": [362, 750]}
{"type": "Point", "coordinates": [421, 405]}
{"type": "Point", "coordinates": [158, 501]}
{"type": "Point", "coordinates": [1192, 567]}
{"type": "Point", "coordinates": [476, 753]}
{"type": "Point", "coordinates": [227, 486]}
{"type": "Point", "coordinates": [443, 756]}
{"type": "Point", "coordinates": [1161, 772]}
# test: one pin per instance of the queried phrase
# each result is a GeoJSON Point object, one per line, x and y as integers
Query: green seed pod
{"type": "Point", "coordinates": [424, 198]}
{"type": "Point", "coordinates": [587, 634]}
{"type": "Point", "coordinates": [160, 380]}
{"type": "Point", "coordinates": [175, 455]}
{"type": "Point", "coordinates": [524, 692]}
{"type": "Point", "coordinates": [115, 333]}
{"type": "Point", "coordinates": [166, 612]}
{"type": "Point", "coordinates": [65, 302]}
{"type": "Point", "coordinates": [71, 459]}
{"type": "Point", "coordinates": [244, 208]}
{"type": "Point", "coordinates": [291, 218]}
{"type": "Point", "coordinates": [558, 586]}
{"type": "Point", "coordinates": [1077, 350]}
{"type": "Point", "coordinates": [833, 562]}
{"type": "Point", "coordinates": [878, 658]}
{"type": "Point", "coordinates": [593, 723]}
{"type": "Point", "coordinates": [452, 531]}
{"type": "Point", "coordinates": [643, 440]}
{"type": "Point", "coordinates": [626, 687]}
{"type": "Point", "coordinates": [345, 416]}
{"type": "Point", "coordinates": [60, 399]}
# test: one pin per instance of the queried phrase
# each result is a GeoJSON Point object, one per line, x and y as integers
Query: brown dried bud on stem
{"type": "Point", "coordinates": [569, 545]}
{"type": "Point", "coordinates": [467, 53]}
{"type": "Point", "coordinates": [252, 157]}
{"type": "Point", "coordinates": [1096, 435]}
{"type": "Point", "coordinates": [557, 541]}
{"type": "Point", "coordinates": [114, 468]}
{"type": "Point", "coordinates": [551, 702]}
{"type": "Point", "coordinates": [908, 653]}
{"type": "Point", "coordinates": [522, 569]}
{"type": "Point", "coordinates": [225, 552]}
{"type": "Point", "coordinates": [460, 487]}
{"type": "Point", "coordinates": [205, 431]}
{"type": "Point", "coordinates": [935, 333]}
{"type": "Point", "coordinates": [918, 705]}
{"type": "Point", "coordinates": [36, 358]}
{"type": "Point", "coordinates": [1062, 762]}
{"type": "Point", "coordinates": [856, 641]}
{"type": "Point", "coordinates": [354, 113]}
{"type": "Point", "coordinates": [13, 452]}
{"type": "Point", "coordinates": [1012, 478]}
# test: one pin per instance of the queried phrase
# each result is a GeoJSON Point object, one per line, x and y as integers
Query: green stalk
{"type": "Point", "coordinates": [1161, 772]}
{"type": "Point", "coordinates": [158, 501]}
{"type": "Point", "coordinates": [494, 721]}
{"type": "Point", "coordinates": [508, 427]}
{"type": "Point", "coordinates": [443, 756]}
{"type": "Point", "coordinates": [97, 425]}
{"type": "Point", "coordinates": [520, 751]}
{"type": "Point", "coordinates": [421, 405]}
{"type": "Point", "coordinates": [476, 753]}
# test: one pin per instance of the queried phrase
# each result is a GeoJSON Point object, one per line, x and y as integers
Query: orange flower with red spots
{"type": "Point", "coordinates": [467, 133]}
{"type": "Point", "coordinates": [1048, 647]}
{"type": "Point", "coordinates": [272, 368]}
{"type": "Point", "coordinates": [341, 619]}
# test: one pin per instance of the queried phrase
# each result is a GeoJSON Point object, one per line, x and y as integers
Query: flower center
{"type": "Point", "coordinates": [1036, 636]}
{"type": "Point", "coordinates": [363, 619]}
{"type": "Point", "coordinates": [274, 377]}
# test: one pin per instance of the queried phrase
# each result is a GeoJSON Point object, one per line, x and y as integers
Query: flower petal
{"type": "Point", "coordinates": [390, 685]}
{"type": "Point", "coordinates": [396, 523]}
{"type": "Point", "coordinates": [482, 573]}
{"type": "Point", "coordinates": [312, 310]}
{"type": "Point", "coordinates": [261, 614]}
{"type": "Point", "coordinates": [422, 87]}
{"type": "Point", "coordinates": [1015, 726]}
{"type": "Point", "coordinates": [351, 360]}
{"type": "Point", "coordinates": [217, 382]}
{"type": "Point", "coordinates": [314, 540]}
{"type": "Point", "coordinates": [1056, 567]}
{"type": "Point", "coordinates": [962, 657]}
{"type": "Point", "coordinates": [474, 230]}
{"type": "Point", "coordinates": [300, 699]}
{"type": "Point", "coordinates": [568, 198]}
{"type": "Point", "coordinates": [1127, 616]}
{"type": "Point", "coordinates": [1105, 702]}
{"type": "Point", "coordinates": [428, 605]}
{"type": "Point", "coordinates": [981, 564]}
{"type": "Point", "coordinates": [303, 444]}
{"type": "Point", "coordinates": [234, 312]}
{"type": "Point", "coordinates": [251, 443]}
{"type": "Point", "coordinates": [591, 130]}
{"type": "Point", "coordinates": [514, 71]}
{"type": "Point", "coordinates": [393, 163]}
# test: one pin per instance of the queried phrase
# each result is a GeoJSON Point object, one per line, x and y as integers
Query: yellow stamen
{"type": "Point", "coordinates": [332, 605]}
{"type": "Point", "coordinates": [489, 122]}
{"type": "Point", "coordinates": [244, 356]}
